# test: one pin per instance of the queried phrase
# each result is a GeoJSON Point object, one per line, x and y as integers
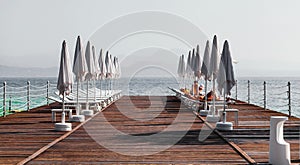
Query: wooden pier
{"type": "Point", "coordinates": [29, 137]}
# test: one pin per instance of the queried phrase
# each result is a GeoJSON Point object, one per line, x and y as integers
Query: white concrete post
{"type": "Point", "coordinates": [279, 150]}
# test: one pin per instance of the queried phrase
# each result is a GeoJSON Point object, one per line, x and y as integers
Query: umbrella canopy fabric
{"type": "Point", "coordinates": [193, 56]}
{"type": "Point", "coordinates": [113, 67]}
{"type": "Point", "coordinates": [91, 70]}
{"type": "Point", "coordinates": [97, 67]}
{"type": "Point", "coordinates": [214, 60]}
{"type": "Point", "coordinates": [65, 78]}
{"type": "Point", "coordinates": [108, 66]}
{"type": "Point", "coordinates": [197, 64]}
{"type": "Point", "coordinates": [205, 63]}
{"type": "Point", "coordinates": [102, 66]}
{"type": "Point", "coordinates": [179, 66]}
{"type": "Point", "coordinates": [79, 65]}
{"type": "Point", "coordinates": [226, 78]}
{"type": "Point", "coordinates": [187, 70]}
{"type": "Point", "coordinates": [182, 68]}
{"type": "Point", "coordinates": [117, 67]}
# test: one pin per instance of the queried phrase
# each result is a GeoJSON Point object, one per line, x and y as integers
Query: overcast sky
{"type": "Point", "coordinates": [263, 34]}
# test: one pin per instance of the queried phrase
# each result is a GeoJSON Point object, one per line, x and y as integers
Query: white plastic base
{"type": "Point", "coordinates": [117, 97]}
{"type": "Point", "coordinates": [87, 112]}
{"type": "Point", "coordinates": [224, 126]}
{"type": "Point", "coordinates": [104, 104]}
{"type": "Point", "coordinates": [108, 101]}
{"type": "Point", "coordinates": [77, 118]}
{"type": "Point", "coordinates": [63, 126]}
{"type": "Point", "coordinates": [98, 108]}
{"type": "Point", "coordinates": [212, 119]}
{"type": "Point", "coordinates": [203, 112]}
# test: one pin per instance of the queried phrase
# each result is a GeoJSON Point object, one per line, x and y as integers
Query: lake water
{"type": "Point", "coordinates": [276, 89]}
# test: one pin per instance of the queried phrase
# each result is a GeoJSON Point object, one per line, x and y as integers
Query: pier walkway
{"type": "Point", "coordinates": [139, 130]}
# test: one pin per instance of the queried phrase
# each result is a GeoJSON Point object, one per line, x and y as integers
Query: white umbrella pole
{"type": "Point", "coordinates": [180, 82]}
{"type": "Point", "coordinates": [87, 95]}
{"type": "Point", "coordinates": [224, 112]}
{"type": "Point", "coordinates": [184, 82]}
{"type": "Point", "coordinates": [214, 97]}
{"type": "Point", "coordinates": [63, 115]}
{"type": "Point", "coordinates": [106, 87]}
{"type": "Point", "coordinates": [110, 85]}
{"type": "Point", "coordinates": [77, 107]}
{"type": "Point", "coordinates": [205, 102]}
{"type": "Point", "coordinates": [94, 90]}
{"type": "Point", "coordinates": [100, 88]}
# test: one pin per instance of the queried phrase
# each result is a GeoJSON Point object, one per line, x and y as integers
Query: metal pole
{"type": "Point", "coordinates": [265, 95]}
{"type": "Point", "coordinates": [48, 86]}
{"type": "Point", "coordinates": [236, 90]}
{"type": "Point", "coordinates": [63, 115]}
{"type": "Point", "coordinates": [28, 95]}
{"type": "Point", "coordinates": [4, 99]}
{"type": "Point", "coordinates": [248, 91]}
{"type": "Point", "coordinates": [9, 104]}
{"type": "Point", "coordinates": [289, 99]}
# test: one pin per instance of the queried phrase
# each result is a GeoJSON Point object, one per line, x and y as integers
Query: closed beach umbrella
{"type": "Point", "coordinates": [79, 64]}
{"type": "Point", "coordinates": [97, 67]}
{"type": "Point", "coordinates": [113, 67]}
{"type": "Point", "coordinates": [179, 66]}
{"type": "Point", "coordinates": [205, 63]}
{"type": "Point", "coordinates": [117, 67]}
{"type": "Point", "coordinates": [193, 59]}
{"type": "Point", "coordinates": [65, 79]}
{"type": "Point", "coordinates": [182, 68]}
{"type": "Point", "coordinates": [197, 64]}
{"type": "Point", "coordinates": [114, 62]}
{"type": "Point", "coordinates": [214, 59]}
{"type": "Point", "coordinates": [205, 68]}
{"type": "Point", "coordinates": [116, 75]}
{"type": "Point", "coordinates": [225, 78]}
{"type": "Point", "coordinates": [79, 67]}
{"type": "Point", "coordinates": [113, 71]}
{"type": "Point", "coordinates": [189, 65]}
{"type": "Point", "coordinates": [214, 67]}
{"type": "Point", "coordinates": [91, 71]}
{"type": "Point", "coordinates": [102, 67]}
{"type": "Point", "coordinates": [108, 64]}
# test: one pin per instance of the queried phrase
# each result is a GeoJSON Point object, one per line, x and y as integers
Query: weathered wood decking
{"type": "Point", "coordinates": [146, 131]}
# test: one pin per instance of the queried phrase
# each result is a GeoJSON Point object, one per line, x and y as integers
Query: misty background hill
{"type": "Point", "coordinates": [10, 71]}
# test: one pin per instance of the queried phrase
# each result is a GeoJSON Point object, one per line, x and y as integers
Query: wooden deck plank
{"type": "Point", "coordinates": [22, 134]}
{"type": "Point", "coordinates": [81, 148]}
{"type": "Point", "coordinates": [252, 136]}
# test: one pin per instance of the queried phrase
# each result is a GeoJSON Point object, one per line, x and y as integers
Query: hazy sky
{"type": "Point", "coordinates": [263, 34]}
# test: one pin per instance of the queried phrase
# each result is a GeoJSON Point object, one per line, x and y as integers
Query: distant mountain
{"type": "Point", "coordinates": [10, 71]}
